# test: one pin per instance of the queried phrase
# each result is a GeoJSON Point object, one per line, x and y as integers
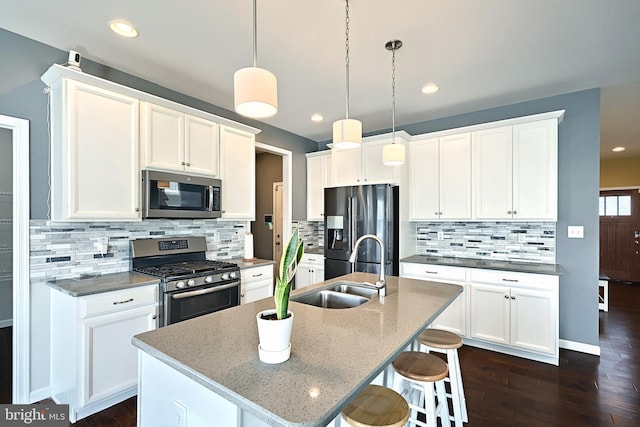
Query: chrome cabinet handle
{"type": "Point", "coordinates": [513, 297]}
{"type": "Point", "coordinates": [188, 164]}
{"type": "Point", "coordinates": [137, 209]}
{"type": "Point", "coordinates": [510, 280]}
{"type": "Point", "coordinates": [257, 275]}
{"type": "Point", "coordinates": [182, 163]}
{"type": "Point", "coordinates": [122, 302]}
{"type": "Point", "coordinates": [431, 272]}
{"type": "Point", "coordinates": [506, 297]}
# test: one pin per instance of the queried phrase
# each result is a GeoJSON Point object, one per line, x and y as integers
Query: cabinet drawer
{"type": "Point", "coordinates": [434, 272]}
{"type": "Point", "coordinates": [312, 259]}
{"type": "Point", "coordinates": [107, 302]}
{"type": "Point", "coordinates": [514, 279]}
{"type": "Point", "coordinates": [254, 274]}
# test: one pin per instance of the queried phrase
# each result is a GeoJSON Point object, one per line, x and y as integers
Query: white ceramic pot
{"type": "Point", "coordinates": [275, 338]}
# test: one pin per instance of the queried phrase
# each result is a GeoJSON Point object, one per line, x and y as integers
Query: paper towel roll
{"type": "Point", "coordinates": [248, 246]}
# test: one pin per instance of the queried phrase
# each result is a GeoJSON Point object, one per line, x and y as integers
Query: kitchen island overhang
{"type": "Point", "coordinates": [335, 354]}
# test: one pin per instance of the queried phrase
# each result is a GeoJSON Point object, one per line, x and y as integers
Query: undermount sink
{"type": "Point", "coordinates": [336, 295]}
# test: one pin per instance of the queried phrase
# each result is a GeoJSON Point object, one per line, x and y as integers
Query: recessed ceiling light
{"type": "Point", "coordinates": [430, 88]}
{"type": "Point", "coordinates": [123, 28]}
{"type": "Point", "coordinates": [317, 117]}
{"type": "Point", "coordinates": [618, 149]}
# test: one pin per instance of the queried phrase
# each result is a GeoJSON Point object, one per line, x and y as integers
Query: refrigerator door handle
{"type": "Point", "coordinates": [352, 227]}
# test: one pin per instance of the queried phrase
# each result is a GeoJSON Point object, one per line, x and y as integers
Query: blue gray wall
{"type": "Point", "coordinates": [21, 95]}
{"type": "Point", "coordinates": [578, 190]}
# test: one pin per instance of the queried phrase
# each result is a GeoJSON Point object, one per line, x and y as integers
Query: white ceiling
{"type": "Point", "coordinates": [483, 54]}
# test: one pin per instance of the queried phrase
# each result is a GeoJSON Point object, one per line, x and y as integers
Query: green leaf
{"type": "Point", "coordinates": [291, 256]}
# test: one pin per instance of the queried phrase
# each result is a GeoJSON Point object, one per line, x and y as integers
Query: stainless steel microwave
{"type": "Point", "coordinates": [175, 195]}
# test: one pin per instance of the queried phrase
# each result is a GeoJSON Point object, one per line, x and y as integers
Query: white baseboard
{"type": "Point", "coordinates": [40, 394]}
{"type": "Point", "coordinates": [581, 347]}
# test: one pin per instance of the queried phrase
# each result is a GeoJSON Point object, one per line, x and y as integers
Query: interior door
{"type": "Point", "coordinates": [620, 234]}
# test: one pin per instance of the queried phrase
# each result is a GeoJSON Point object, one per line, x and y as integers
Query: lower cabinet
{"type": "Point", "coordinates": [510, 312]}
{"type": "Point", "coordinates": [256, 283]}
{"type": "Point", "coordinates": [310, 270]}
{"type": "Point", "coordinates": [93, 363]}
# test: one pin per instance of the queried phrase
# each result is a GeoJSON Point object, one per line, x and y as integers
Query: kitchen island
{"type": "Point", "coordinates": [206, 371]}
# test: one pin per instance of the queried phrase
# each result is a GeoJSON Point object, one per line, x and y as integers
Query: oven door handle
{"type": "Point", "coordinates": [204, 291]}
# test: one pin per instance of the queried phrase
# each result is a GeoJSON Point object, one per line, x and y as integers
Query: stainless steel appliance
{"type": "Point", "coordinates": [351, 212]}
{"type": "Point", "coordinates": [173, 195]}
{"type": "Point", "coordinates": [190, 284]}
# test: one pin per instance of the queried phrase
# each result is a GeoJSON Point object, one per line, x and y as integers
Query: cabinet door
{"type": "Point", "coordinates": [346, 167]}
{"type": "Point", "coordinates": [303, 276]}
{"type": "Point", "coordinates": [490, 313]}
{"type": "Point", "coordinates": [101, 176]}
{"type": "Point", "coordinates": [201, 146]}
{"type": "Point", "coordinates": [315, 188]}
{"type": "Point", "coordinates": [492, 177]}
{"type": "Point", "coordinates": [423, 176]}
{"type": "Point", "coordinates": [534, 320]}
{"type": "Point", "coordinates": [256, 291]}
{"type": "Point", "coordinates": [535, 170]}
{"type": "Point", "coordinates": [110, 360]}
{"type": "Point", "coordinates": [162, 138]}
{"type": "Point", "coordinates": [455, 177]}
{"type": "Point", "coordinates": [374, 171]}
{"type": "Point", "coordinates": [327, 174]}
{"type": "Point", "coordinates": [237, 171]}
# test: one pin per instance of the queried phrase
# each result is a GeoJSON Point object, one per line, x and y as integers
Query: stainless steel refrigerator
{"type": "Point", "coordinates": [350, 212]}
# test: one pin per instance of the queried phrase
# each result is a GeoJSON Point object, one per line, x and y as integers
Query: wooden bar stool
{"type": "Point", "coordinates": [420, 378]}
{"type": "Point", "coordinates": [448, 343]}
{"type": "Point", "coordinates": [377, 406]}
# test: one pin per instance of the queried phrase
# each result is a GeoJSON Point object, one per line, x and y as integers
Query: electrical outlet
{"type": "Point", "coordinates": [575, 232]}
{"type": "Point", "coordinates": [180, 413]}
{"type": "Point", "coordinates": [522, 238]}
{"type": "Point", "coordinates": [216, 236]}
{"type": "Point", "coordinates": [102, 245]}
{"type": "Point", "coordinates": [440, 235]}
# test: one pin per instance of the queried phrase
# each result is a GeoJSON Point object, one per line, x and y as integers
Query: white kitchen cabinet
{"type": "Point", "coordinates": [516, 172]}
{"type": "Point", "coordinates": [94, 153]}
{"type": "Point", "coordinates": [93, 363]}
{"type": "Point", "coordinates": [237, 172]}
{"type": "Point", "coordinates": [519, 310]}
{"type": "Point", "coordinates": [318, 178]}
{"type": "Point", "coordinates": [454, 317]}
{"type": "Point", "coordinates": [310, 270]}
{"type": "Point", "coordinates": [363, 165]}
{"type": "Point", "coordinates": [256, 283]}
{"type": "Point", "coordinates": [440, 178]}
{"type": "Point", "coordinates": [175, 141]}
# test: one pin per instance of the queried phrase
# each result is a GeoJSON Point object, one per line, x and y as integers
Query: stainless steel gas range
{"type": "Point", "coordinates": [190, 284]}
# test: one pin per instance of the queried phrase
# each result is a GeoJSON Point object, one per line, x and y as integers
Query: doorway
{"type": "Point", "coordinates": [620, 234]}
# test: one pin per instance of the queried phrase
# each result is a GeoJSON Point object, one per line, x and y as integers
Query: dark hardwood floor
{"type": "Point", "coordinates": [503, 390]}
{"type": "Point", "coordinates": [6, 358]}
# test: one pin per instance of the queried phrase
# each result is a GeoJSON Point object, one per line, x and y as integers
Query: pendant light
{"type": "Point", "coordinates": [347, 133]}
{"type": "Point", "coordinates": [393, 154]}
{"type": "Point", "coordinates": [255, 89]}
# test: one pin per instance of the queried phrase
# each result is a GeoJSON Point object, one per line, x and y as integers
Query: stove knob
{"type": "Point", "coordinates": [191, 282]}
{"type": "Point", "coordinates": [180, 284]}
{"type": "Point", "coordinates": [233, 274]}
{"type": "Point", "coordinates": [208, 279]}
{"type": "Point", "coordinates": [225, 276]}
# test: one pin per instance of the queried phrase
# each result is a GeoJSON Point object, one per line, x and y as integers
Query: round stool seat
{"type": "Point", "coordinates": [420, 366]}
{"type": "Point", "coordinates": [437, 338]}
{"type": "Point", "coordinates": [377, 406]}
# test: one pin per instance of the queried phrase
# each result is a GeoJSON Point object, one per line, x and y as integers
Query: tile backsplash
{"type": "Point", "coordinates": [504, 241]}
{"type": "Point", "coordinates": [61, 250]}
{"type": "Point", "coordinates": [311, 233]}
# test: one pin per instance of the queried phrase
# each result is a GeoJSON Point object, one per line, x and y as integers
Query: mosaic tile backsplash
{"type": "Point", "coordinates": [67, 250]}
{"type": "Point", "coordinates": [311, 233]}
{"type": "Point", "coordinates": [504, 241]}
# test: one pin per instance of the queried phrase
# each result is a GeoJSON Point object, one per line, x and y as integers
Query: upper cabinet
{"type": "Point", "coordinates": [440, 178]}
{"type": "Point", "coordinates": [516, 171]}
{"type": "Point", "coordinates": [103, 134]}
{"type": "Point", "coordinates": [238, 172]}
{"type": "Point", "coordinates": [176, 141]}
{"type": "Point", "coordinates": [94, 154]}
{"type": "Point", "coordinates": [318, 178]}
{"type": "Point", "coordinates": [363, 165]}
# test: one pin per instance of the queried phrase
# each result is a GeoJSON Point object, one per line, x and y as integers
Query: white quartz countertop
{"type": "Point", "coordinates": [96, 284]}
{"type": "Point", "coordinates": [520, 267]}
{"type": "Point", "coordinates": [335, 353]}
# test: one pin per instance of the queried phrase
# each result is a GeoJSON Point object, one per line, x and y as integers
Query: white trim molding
{"type": "Point", "coordinates": [21, 283]}
{"type": "Point", "coordinates": [581, 347]}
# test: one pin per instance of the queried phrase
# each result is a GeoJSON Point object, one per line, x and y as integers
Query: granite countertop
{"type": "Point", "coordinates": [335, 353]}
{"type": "Point", "coordinates": [521, 267]}
{"type": "Point", "coordinates": [250, 264]}
{"type": "Point", "coordinates": [102, 283]}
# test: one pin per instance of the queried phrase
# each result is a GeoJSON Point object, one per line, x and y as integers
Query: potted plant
{"type": "Point", "coordinates": [274, 325]}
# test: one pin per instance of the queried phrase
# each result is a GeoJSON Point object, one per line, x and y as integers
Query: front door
{"type": "Point", "coordinates": [620, 234]}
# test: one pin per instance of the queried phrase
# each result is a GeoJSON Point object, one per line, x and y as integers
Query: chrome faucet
{"type": "Point", "coordinates": [381, 284]}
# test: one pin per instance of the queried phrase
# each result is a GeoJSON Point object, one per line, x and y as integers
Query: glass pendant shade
{"type": "Point", "coordinates": [347, 133]}
{"type": "Point", "coordinates": [393, 154]}
{"type": "Point", "coordinates": [255, 92]}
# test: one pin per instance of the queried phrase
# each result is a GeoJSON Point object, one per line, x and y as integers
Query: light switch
{"type": "Point", "coordinates": [575, 232]}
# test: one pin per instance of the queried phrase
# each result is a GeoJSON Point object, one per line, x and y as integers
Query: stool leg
{"type": "Point", "coordinates": [430, 404]}
{"type": "Point", "coordinates": [442, 409]}
{"type": "Point", "coordinates": [459, 389]}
